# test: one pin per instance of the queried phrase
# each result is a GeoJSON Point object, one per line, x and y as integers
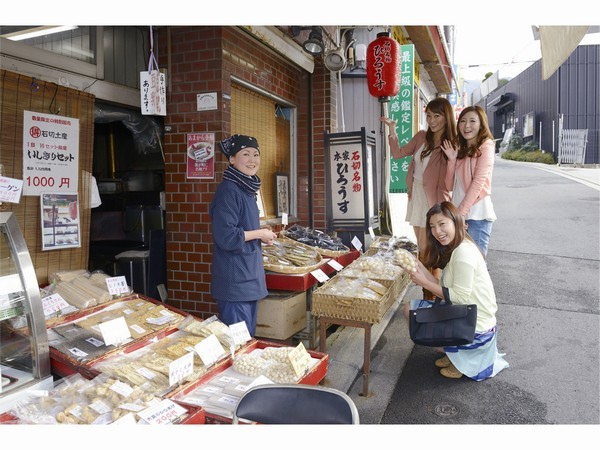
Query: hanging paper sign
{"type": "Point", "coordinates": [153, 86]}
{"type": "Point", "coordinates": [153, 90]}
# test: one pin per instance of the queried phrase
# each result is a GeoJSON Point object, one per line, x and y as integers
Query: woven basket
{"type": "Point", "coordinates": [322, 251]}
{"type": "Point", "coordinates": [295, 269]}
{"type": "Point", "coordinates": [354, 308]}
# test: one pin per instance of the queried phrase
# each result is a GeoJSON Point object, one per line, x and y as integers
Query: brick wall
{"type": "Point", "coordinates": [203, 59]}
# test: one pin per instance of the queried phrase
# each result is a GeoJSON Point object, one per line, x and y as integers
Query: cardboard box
{"type": "Point", "coordinates": [281, 314]}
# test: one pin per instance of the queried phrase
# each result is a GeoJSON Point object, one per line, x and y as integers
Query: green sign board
{"type": "Point", "coordinates": [401, 109]}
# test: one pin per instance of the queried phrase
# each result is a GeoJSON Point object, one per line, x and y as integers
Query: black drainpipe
{"type": "Point", "coordinates": [311, 158]}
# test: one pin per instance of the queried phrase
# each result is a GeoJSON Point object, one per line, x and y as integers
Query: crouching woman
{"type": "Point", "coordinates": [465, 280]}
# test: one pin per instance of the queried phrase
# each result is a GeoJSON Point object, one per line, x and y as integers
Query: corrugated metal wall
{"type": "Point", "coordinates": [573, 91]}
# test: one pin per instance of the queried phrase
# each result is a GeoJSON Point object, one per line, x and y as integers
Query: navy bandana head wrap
{"type": "Point", "coordinates": [237, 142]}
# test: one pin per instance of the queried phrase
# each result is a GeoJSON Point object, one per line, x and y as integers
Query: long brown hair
{"type": "Point", "coordinates": [464, 151]}
{"type": "Point", "coordinates": [436, 254]}
{"type": "Point", "coordinates": [442, 106]}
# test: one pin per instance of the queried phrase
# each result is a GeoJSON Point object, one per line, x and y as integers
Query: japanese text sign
{"type": "Point", "coordinates": [50, 153]}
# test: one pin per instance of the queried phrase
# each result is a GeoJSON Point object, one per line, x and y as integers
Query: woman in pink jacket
{"type": "Point", "coordinates": [427, 171]}
{"type": "Point", "coordinates": [469, 177]}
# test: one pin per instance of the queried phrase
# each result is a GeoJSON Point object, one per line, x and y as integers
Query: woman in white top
{"type": "Point", "coordinates": [465, 280]}
{"type": "Point", "coordinates": [470, 166]}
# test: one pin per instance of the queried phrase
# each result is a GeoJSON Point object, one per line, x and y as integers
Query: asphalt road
{"type": "Point", "coordinates": [544, 259]}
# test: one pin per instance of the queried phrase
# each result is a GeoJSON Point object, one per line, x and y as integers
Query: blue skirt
{"type": "Point", "coordinates": [479, 359]}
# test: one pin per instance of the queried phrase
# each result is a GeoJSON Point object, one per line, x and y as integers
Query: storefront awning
{"type": "Point", "coordinates": [500, 101]}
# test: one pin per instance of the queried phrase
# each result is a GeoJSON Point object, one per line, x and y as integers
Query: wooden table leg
{"type": "Point", "coordinates": [367, 360]}
{"type": "Point", "coordinates": [322, 334]}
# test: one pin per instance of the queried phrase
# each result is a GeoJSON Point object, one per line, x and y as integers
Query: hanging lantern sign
{"type": "Point", "coordinates": [383, 67]}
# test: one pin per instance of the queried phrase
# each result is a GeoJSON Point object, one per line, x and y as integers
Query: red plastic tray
{"type": "Point", "coordinates": [313, 377]}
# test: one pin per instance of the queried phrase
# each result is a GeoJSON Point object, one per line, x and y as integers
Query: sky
{"type": "Point", "coordinates": [481, 49]}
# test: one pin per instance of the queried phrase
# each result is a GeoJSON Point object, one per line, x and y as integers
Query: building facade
{"type": "Point", "coordinates": [263, 84]}
{"type": "Point", "coordinates": [534, 108]}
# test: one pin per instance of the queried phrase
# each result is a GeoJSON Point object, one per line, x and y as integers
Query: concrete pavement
{"type": "Point", "coordinates": [345, 346]}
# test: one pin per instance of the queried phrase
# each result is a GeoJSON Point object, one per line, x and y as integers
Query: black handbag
{"type": "Point", "coordinates": [443, 324]}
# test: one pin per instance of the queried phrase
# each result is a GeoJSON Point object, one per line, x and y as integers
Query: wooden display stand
{"type": "Point", "coordinates": [325, 321]}
{"type": "Point", "coordinates": [306, 282]}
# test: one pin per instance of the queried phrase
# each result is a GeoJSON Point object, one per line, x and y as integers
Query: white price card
{"type": "Point", "coordinates": [162, 413]}
{"type": "Point", "coordinates": [320, 275]}
{"type": "Point", "coordinates": [284, 218]}
{"type": "Point", "coordinates": [117, 285]}
{"type": "Point", "coordinates": [181, 368]}
{"type": "Point", "coordinates": [115, 331]}
{"type": "Point", "coordinates": [300, 359]}
{"type": "Point", "coordinates": [356, 243]}
{"type": "Point", "coordinates": [371, 233]}
{"type": "Point", "coordinates": [240, 333]}
{"type": "Point", "coordinates": [209, 350]}
{"type": "Point", "coordinates": [336, 265]}
{"type": "Point", "coordinates": [53, 304]}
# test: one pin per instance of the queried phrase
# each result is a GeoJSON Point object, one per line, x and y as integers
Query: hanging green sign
{"type": "Point", "coordinates": [401, 109]}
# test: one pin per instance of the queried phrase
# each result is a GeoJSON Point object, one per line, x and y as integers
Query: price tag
{"type": "Point", "coordinates": [209, 350]}
{"type": "Point", "coordinates": [284, 219]}
{"type": "Point", "coordinates": [336, 265]}
{"type": "Point", "coordinates": [121, 388]}
{"type": "Point", "coordinates": [181, 368]}
{"type": "Point", "coordinates": [261, 379]}
{"type": "Point", "coordinates": [356, 243]}
{"type": "Point", "coordinates": [240, 333]}
{"type": "Point", "coordinates": [163, 413]}
{"type": "Point", "coordinates": [115, 331]}
{"type": "Point", "coordinates": [300, 359]}
{"type": "Point", "coordinates": [117, 285]}
{"type": "Point", "coordinates": [371, 232]}
{"type": "Point", "coordinates": [53, 304]}
{"type": "Point", "coordinates": [320, 275]}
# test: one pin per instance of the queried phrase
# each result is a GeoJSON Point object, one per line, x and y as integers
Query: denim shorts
{"type": "Point", "coordinates": [480, 231]}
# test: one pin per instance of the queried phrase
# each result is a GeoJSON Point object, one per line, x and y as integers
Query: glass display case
{"type": "Point", "coordinates": [24, 352]}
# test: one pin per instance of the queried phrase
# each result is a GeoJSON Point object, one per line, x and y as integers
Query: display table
{"type": "Point", "coordinates": [360, 316]}
{"type": "Point", "coordinates": [325, 321]}
{"type": "Point", "coordinates": [306, 282]}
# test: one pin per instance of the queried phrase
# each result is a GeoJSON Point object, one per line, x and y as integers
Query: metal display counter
{"type": "Point", "coordinates": [24, 353]}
